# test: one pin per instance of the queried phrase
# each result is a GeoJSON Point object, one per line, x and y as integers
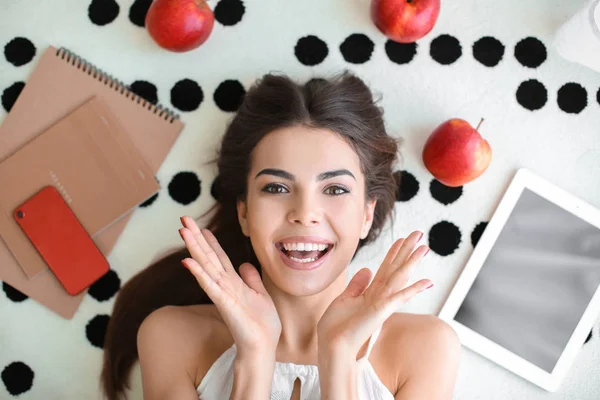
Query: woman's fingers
{"type": "Point", "coordinates": [221, 255]}
{"type": "Point", "coordinates": [398, 279]}
{"type": "Point", "coordinates": [207, 284]}
{"type": "Point", "coordinates": [405, 295]}
{"type": "Point", "coordinates": [191, 225]}
{"type": "Point", "coordinates": [405, 250]}
{"type": "Point", "coordinates": [199, 255]}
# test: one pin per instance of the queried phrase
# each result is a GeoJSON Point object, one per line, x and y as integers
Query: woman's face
{"type": "Point", "coordinates": [288, 197]}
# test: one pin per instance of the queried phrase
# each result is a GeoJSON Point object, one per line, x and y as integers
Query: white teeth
{"type": "Point", "coordinates": [304, 246]}
{"type": "Point", "coordinates": [303, 260]}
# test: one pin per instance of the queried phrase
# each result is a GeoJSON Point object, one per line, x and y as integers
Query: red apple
{"type": "Point", "coordinates": [455, 153]}
{"type": "Point", "coordinates": [179, 25]}
{"type": "Point", "coordinates": [405, 21]}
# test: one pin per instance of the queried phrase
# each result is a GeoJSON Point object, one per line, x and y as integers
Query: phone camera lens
{"type": "Point", "coordinates": [20, 214]}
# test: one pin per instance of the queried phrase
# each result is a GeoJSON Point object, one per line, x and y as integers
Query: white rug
{"type": "Point", "coordinates": [553, 131]}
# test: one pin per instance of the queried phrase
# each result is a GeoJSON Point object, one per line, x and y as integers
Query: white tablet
{"type": "Point", "coordinates": [529, 294]}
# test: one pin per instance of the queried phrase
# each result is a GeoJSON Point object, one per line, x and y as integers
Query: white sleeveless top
{"type": "Point", "coordinates": [217, 384]}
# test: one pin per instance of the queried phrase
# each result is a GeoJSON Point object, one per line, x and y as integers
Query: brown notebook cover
{"type": "Point", "coordinates": [95, 166]}
{"type": "Point", "coordinates": [60, 83]}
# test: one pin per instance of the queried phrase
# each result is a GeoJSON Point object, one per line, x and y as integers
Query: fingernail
{"type": "Point", "coordinates": [180, 234]}
{"type": "Point", "coordinates": [181, 219]}
{"type": "Point", "coordinates": [426, 252]}
{"type": "Point", "coordinates": [420, 236]}
{"type": "Point", "coordinates": [430, 285]}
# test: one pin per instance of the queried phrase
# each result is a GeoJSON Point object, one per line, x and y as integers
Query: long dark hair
{"type": "Point", "coordinates": [342, 104]}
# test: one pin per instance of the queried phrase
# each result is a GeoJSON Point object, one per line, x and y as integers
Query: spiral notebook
{"type": "Point", "coordinates": [60, 83]}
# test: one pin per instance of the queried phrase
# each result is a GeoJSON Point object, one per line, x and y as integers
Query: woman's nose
{"type": "Point", "coordinates": [306, 212]}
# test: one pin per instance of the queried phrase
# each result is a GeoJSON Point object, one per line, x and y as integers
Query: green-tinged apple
{"type": "Point", "coordinates": [455, 153]}
{"type": "Point", "coordinates": [179, 25]}
{"type": "Point", "coordinates": [405, 21]}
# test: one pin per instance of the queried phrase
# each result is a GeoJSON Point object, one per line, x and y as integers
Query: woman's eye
{"type": "Point", "coordinates": [338, 190]}
{"type": "Point", "coordinates": [276, 189]}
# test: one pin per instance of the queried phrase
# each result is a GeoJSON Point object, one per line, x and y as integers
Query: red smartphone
{"type": "Point", "coordinates": [61, 240]}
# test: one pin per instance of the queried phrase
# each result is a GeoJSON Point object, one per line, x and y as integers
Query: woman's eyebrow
{"type": "Point", "coordinates": [286, 175]}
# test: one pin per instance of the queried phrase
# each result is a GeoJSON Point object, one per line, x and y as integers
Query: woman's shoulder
{"type": "Point", "coordinates": [405, 337]}
{"type": "Point", "coordinates": [199, 328]}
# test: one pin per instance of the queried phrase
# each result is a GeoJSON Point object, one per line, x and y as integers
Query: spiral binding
{"type": "Point", "coordinates": [85, 66]}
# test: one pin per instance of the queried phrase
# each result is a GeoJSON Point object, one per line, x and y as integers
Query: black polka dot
{"type": "Point", "coordinates": [488, 51]}
{"type": "Point", "coordinates": [149, 202]}
{"type": "Point", "coordinates": [186, 95]}
{"type": "Point", "coordinates": [215, 188]}
{"type": "Point", "coordinates": [229, 95]}
{"type": "Point", "coordinates": [310, 50]}
{"type": "Point", "coordinates": [102, 12]}
{"type": "Point", "coordinates": [17, 377]}
{"type": "Point", "coordinates": [572, 98]}
{"type": "Point", "coordinates": [19, 51]}
{"type": "Point", "coordinates": [444, 238]}
{"type": "Point", "coordinates": [13, 294]}
{"type": "Point", "coordinates": [400, 53]}
{"type": "Point", "coordinates": [357, 48]}
{"type": "Point", "coordinates": [444, 194]}
{"type": "Point", "coordinates": [530, 52]}
{"type": "Point", "coordinates": [95, 330]}
{"type": "Point", "coordinates": [138, 11]}
{"type": "Point", "coordinates": [532, 95]}
{"type": "Point", "coordinates": [477, 232]}
{"type": "Point", "coordinates": [588, 338]}
{"type": "Point", "coordinates": [105, 287]}
{"type": "Point", "coordinates": [10, 95]}
{"type": "Point", "coordinates": [445, 49]}
{"type": "Point", "coordinates": [407, 185]}
{"type": "Point", "coordinates": [229, 12]}
{"type": "Point", "coordinates": [598, 96]}
{"type": "Point", "coordinates": [185, 187]}
{"type": "Point", "coordinates": [146, 90]}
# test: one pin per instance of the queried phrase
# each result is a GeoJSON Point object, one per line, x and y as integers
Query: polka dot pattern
{"type": "Point", "coordinates": [229, 12]}
{"type": "Point", "coordinates": [103, 12]}
{"type": "Point", "coordinates": [229, 95]}
{"type": "Point", "coordinates": [400, 53]}
{"type": "Point", "coordinates": [19, 51]}
{"type": "Point", "coordinates": [310, 50]}
{"type": "Point", "coordinates": [488, 51]}
{"type": "Point", "coordinates": [477, 232]}
{"type": "Point", "coordinates": [185, 187]}
{"type": "Point", "coordinates": [589, 337]}
{"type": "Point", "coordinates": [186, 95]}
{"type": "Point", "coordinates": [357, 48]}
{"type": "Point", "coordinates": [444, 194]}
{"type": "Point", "coordinates": [13, 294]}
{"type": "Point", "coordinates": [95, 330]}
{"type": "Point", "coordinates": [445, 49]}
{"type": "Point", "coordinates": [17, 378]}
{"type": "Point", "coordinates": [215, 188]}
{"type": "Point", "coordinates": [530, 52]}
{"type": "Point", "coordinates": [572, 98]}
{"type": "Point", "coordinates": [138, 11]}
{"type": "Point", "coordinates": [149, 202]}
{"type": "Point", "coordinates": [407, 185]}
{"type": "Point", "coordinates": [532, 95]}
{"type": "Point", "coordinates": [146, 90]}
{"type": "Point", "coordinates": [444, 238]}
{"type": "Point", "coordinates": [106, 287]}
{"type": "Point", "coordinates": [10, 95]}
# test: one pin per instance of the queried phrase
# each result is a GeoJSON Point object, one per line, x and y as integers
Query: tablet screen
{"type": "Point", "coordinates": [536, 282]}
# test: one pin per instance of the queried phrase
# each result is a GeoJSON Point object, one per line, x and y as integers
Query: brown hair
{"type": "Point", "coordinates": [342, 104]}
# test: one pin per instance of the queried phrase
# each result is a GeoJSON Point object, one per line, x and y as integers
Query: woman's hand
{"type": "Point", "coordinates": [244, 304]}
{"type": "Point", "coordinates": [355, 314]}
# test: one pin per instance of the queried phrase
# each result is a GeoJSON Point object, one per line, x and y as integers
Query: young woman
{"type": "Point", "coordinates": [262, 309]}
